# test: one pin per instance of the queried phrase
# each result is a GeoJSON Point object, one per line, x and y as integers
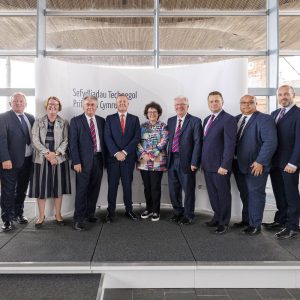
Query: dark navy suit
{"type": "Point", "coordinates": [88, 182]}
{"type": "Point", "coordinates": [285, 185]}
{"type": "Point", "coordinates": [180, 175]}
{"type": "Point", "coordinates": [14, 182]}
{"type": "Point", "coordinates": [218, 151]}
{"type": "Point", "coordinates": [257, 143]}
{"type": "Point", "coordinates": [116, 142]}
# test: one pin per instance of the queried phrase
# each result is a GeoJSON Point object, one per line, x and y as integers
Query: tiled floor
{"type": "Point", "coordinates": [202, 294]}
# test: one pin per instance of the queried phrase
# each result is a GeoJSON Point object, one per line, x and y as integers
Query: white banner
{"type": "Point", "coordinates": [70, 82]}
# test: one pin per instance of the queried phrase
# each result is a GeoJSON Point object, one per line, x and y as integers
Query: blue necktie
{"type": "Point", "coordinates": [25, 129]}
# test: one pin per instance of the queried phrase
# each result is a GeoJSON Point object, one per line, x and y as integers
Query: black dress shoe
{"type": "Point", "coordinates": [109, 218]}
{"type": "Point", "coordinates": [60, 222]}
{"type": "Point", "coordinates": [241, 224]}
{"type": "Point", "coordinates": [7, 226]}
{"type": "Point", "coordinates": [176, 218]}
{"type": "Point", "coordinates": [211, 223]}
{"type": "Point", "coordinates": [271, 226]}
{"type": "Point", "coordinates": [221, 229]}
{"type": "Point", "coordinates": [286, 234]}
{"type": "Point", "coordinates": [21, 219]}
{"type": "Point", "coordinates": [185, 221]}
{"type": "Point", "coordinates": [92, 219]}
{"type": "Point", "coordinates": [131, 215]}
{"type": "Point", "coordinates": [252, 230]}
{"type": "Point", "coordinates": [79, 226]}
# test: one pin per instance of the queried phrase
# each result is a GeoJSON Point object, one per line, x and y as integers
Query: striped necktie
{"type": "Point", "coordinates": [281, 114]}
{"type": "Point", "coordinates": [209, 124]}
{"type": "Point", "coordinates": [240, 131]}
{"type": "Point", "coordinates": [93, 133]}
{"type": "Point", "coordinates": [175, 146]}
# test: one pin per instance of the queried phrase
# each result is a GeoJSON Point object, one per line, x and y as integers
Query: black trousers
{"type": "Point", "coordinates": [286, 192]}
{"type": "Point", "coordinates": [152, 189]}
{"type": "Point", "coordinates": [88, 184]}
{"type": "Point", "coordinates": [14, 185]}
{"type": "Point", "coordinates": [178, 182]}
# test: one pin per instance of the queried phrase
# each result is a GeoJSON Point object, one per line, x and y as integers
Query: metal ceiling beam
{"type": "Point", "coordinates": [17, 52]}
{"type": "Point", "coordinates": [156, 34]}
{"type": "Point", "coordinates": [17, 13]}
{"type": "Point", "coordinates": [273, 51]}
{"type": "Point", "coordinates": [41, 28]}
{"type": "Point", "coordinates": [100, 13]}
{"type": "Point", "coordinates": [212, 13]}
{"type": "Point", "coordinates": [99, 53]}
{"type": "Point", "coordinates": [211, 53]}
{"type": "Point", "coordinates": [9, 91]}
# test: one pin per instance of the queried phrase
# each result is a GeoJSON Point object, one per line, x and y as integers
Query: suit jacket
{"type": "Point", "coordinates": [39, 133]}
{"type": "Point", "coordinates": [257, 143]}
{"type": "Point", "coordinates": [81, 141]}
{"type": "Point", "coordinates": [219, 143]}
{"type": "Point", "coordinates": [116, 141]}
{"type": "Point", "coordinates": [288, 133]}
{"type": "Point", "coordinates": [12, 138]}
{"type": "Point", "coordinates": [190, 140]}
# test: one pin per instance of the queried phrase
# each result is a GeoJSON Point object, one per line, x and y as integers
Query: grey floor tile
{"type": "Point", "coordinates": [117, 294]}
{"type": "Point", "coordinates": [181, 296]}
{"type": "Point", "coordinates": [243, 294]}
{"type": "Point", "coordinates": [179, 291]}
{"type": "Point", "coordinates": [273, 294]}
{"type": "Point", "coordinates": [211, 292]}
{"type": "Point", "coordinates": [295, 293]}
{"type": "Point", "coordinates": [148, 294]}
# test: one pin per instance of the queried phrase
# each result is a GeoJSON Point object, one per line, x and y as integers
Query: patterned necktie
{"type": "Point", "coordinates": [175, 146]}
{"type": "Point", "coordinates": [123, 123]}
{"type": "Point", "coordinates": [93, 133]}
{"type": "Point", "coordinates": [281, 114]}
{"type": "Point", "coordinates": [25, 129]}
{"type": "Point", "coordinates": [239, 133]}
{"type": "Point", "coordinates": [209, 124]}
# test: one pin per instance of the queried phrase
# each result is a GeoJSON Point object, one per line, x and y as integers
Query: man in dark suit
{"type": "Point", "coordinates": [88, 160]}
{"type": "Point", "coordinates": [219, 139]}
{"type": "Point", "coordinates": [184, 154]}
{"type": "Point", "coordinates": [122, 134]}
{"type": "Point", "coordinates": [256, 144]}
{"type": "Point", "coordinates": [285, 165]}
{"type": "Point", "coordinates": [16, 160]}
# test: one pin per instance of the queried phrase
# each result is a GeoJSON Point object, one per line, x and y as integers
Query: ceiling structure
{"type": "Point", "coordinates": [136, 33]}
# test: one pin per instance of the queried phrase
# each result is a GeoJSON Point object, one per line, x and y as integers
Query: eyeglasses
{"type": "Point", "coordinates": [152, 112]}
{"type": "Point", "coordinates": [247, 103]}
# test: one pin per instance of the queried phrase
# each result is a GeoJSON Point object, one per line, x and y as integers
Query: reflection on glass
{"type": "Point", "coordinates": [213, 33]}
{"type": "Point", "coordinates": [99, 33]}
{"type": "Point", "coordinates": [289, 70]}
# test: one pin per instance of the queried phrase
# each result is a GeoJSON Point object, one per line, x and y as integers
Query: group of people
{"type": "Point", "coordinates": [251, 145]}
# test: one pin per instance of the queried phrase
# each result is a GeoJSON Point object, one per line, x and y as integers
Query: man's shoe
{"type": "Point", "coordinates": [240, 224]}
{"type": "Point", "coordinates": [92, 220]}
{"type": "Point", "coordinates": [271, 226]}
{"type": "Point", "coordinates": [155, 217]}
{"type": "Point", "coordinates": [252, 230]}
{"type": "Point", "coordinates": [131, 215]}
{"type": "Point", "coordinates": [79, 226]}
{"type": "Point", "coordinates": [7, 226]}
{"type": "Point", "coordinates": [176, 218]}
{"type": "Point", "coordinates": [211, 223]}
{"type": "Point", "coordinates": [286, 234]}
{"type": "Point", "coordinates": [21, 219]}
{"type": "Point", "coordinates": [109, 218]}
{"type": "Point", "coordinates": [185, 221]}
{"type": "Point", "coordinates": [221, 229]}
{"type": "Point", "coordinates": [146, 214]}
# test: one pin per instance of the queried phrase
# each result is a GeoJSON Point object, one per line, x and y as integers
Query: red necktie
{"type": "Point", "coordinates": [175, 146]}
{"type": "Point", "coordinates": [209, 124]}
{"type": "Point", "coordinates": [93, 133]}
{"type": "Point", "coordinates": [123, 123]}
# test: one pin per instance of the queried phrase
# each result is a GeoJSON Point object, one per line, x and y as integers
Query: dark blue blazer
{"type": "Point", "coordinates": [190, 142]}
{"type": "Point", "coordinates": [81, 142]}
{"type": "Point", "coordinates": [116, 141]}
{"type": "Point", "coordinates": [257, 143]}
{"type": "Point", "coordinates": [219, 143]}
{"type": "Point", "coordinates": [12, 138]}
{"type": "Point", "coordinates": [288, 133]}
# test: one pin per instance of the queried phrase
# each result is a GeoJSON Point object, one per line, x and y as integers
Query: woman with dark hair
{"type": "Point", "coordinates": [51, 176]}
{"type": "Point", "coordinates": [152, 158]}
